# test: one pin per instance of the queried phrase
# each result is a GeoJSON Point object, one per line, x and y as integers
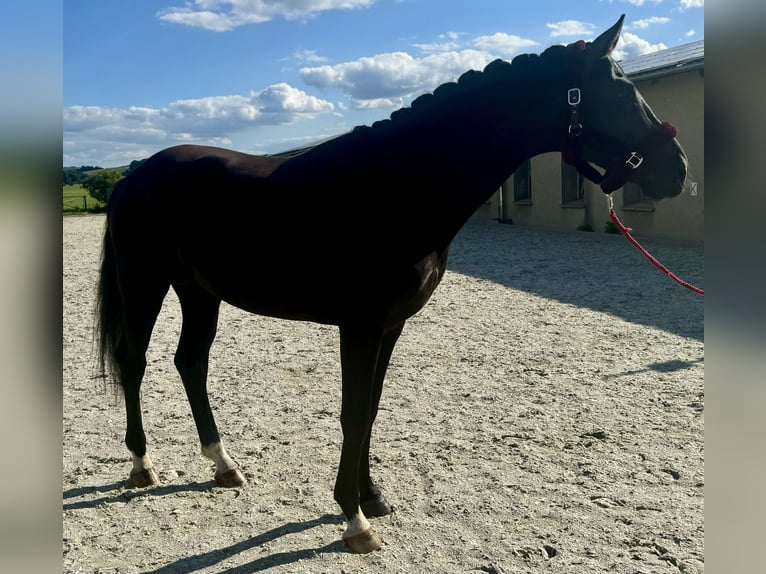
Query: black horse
{"type": "Point", "coordinates": [353, 232]}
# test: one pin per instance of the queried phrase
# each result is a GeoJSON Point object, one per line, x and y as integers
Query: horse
{"type": "Point", "coordinates": [353, 232]}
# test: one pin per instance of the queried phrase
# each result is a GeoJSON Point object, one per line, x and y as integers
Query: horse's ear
{"type": "Point", "coordinates": [605, 43]}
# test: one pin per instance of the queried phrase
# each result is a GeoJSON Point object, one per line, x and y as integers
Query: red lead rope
{"type": "Point", "coordinates": [626, 232]}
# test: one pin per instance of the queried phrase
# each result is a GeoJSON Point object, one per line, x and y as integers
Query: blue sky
{"type": "Point", "coordinates": [267, 75]}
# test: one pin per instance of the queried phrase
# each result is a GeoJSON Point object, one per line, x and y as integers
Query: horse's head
{"type": "Point", "coordinates": [612, 126]}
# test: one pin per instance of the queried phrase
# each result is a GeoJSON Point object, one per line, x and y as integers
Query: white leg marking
{"type": "Point", "coordinates": [356, 525]}
{"type": "Point", "coordinates": [217, 454]}
{"type": "Point", "coordinates": [141, 463]}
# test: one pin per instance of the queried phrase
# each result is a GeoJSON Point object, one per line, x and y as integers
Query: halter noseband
{"type": "Point", "coordinates": [572, 149]}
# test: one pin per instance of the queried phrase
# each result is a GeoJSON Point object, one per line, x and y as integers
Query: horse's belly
{"type": "Point", "coordinates": [305, 293]}
{"type": "Point", "coordinates": [267, 292]}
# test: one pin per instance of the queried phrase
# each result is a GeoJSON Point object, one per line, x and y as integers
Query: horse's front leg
{"type": "Point", "coordinates": [359, 351]}
{"type": "Point", "coordinates": [372, 501]}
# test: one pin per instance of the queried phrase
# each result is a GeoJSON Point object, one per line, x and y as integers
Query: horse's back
{"type": "Point", "coordinates": [192, 165]}
{"type": "Point", "coordinates": [190, 183]}
{"type": "Point", "coordinates": [287, 246]}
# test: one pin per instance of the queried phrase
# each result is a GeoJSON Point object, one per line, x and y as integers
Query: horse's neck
{"type": "Point", "coordinates": [486, 146]}
{"type": "Point", "coordinates": [450, 157]}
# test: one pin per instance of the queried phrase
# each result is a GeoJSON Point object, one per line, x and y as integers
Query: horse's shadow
{"type": "Point", "coordinates": [207, 559]}
{"type": "Point", "coordinates": [128, 493]}
{"type": "Point", "coordinates": [612, 279]}
{"type": "Point", "coordinates": [204, 560]}
{"type": "Point", "coordinates": [672, 366]}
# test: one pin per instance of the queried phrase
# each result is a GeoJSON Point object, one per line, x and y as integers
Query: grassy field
{"type": "Point", "coordinates": [78, 200]}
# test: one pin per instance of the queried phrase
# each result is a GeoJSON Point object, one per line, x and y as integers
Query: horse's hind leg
{"type": "Point", "coordinates": [140, 307]}
{"type": "Point", "coordinates": [200, 320]}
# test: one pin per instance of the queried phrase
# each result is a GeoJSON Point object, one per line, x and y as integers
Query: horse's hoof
{"type": "Point", "coordinates": [230, 479]}
{"type": "Point", "coordinates": [364, 542]}
{"type": "Point", "coordinates": [376, 506]}
{"type": "Point", "coordinates": [143, 478]}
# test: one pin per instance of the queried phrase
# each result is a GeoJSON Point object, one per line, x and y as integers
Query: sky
{"type": "Point", "coordinates": [263, 76]}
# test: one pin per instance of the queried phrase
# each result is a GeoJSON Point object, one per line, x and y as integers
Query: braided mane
{"type": "Point", "coordinates": [431, 106]}
{"type": "Point", "coordinates": [496, 73]}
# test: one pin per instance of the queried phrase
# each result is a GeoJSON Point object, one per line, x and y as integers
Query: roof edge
{"type": "Point", "coordinates": [678, 68]}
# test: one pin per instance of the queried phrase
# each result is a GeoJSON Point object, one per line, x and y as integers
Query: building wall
{"type": "Point", "coordinates": [677, 98]}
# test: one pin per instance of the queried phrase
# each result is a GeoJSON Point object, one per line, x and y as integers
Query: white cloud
{"type": "Point", "coordinates": [501, 43]}
{"type": "Point", "coordinates": [686, 4]}
{"type": "Point", "coordinates": [200, 19]}
{"type": "Point", "coordinates": [283, 98]}
{"type": "Point", "coordinates": [646, 22]}
{"type": "Point", "coordinates": [390, 80]}
{"type": "Point", "coordinates": [211, 120]}
{"type": "Point", "coordinates": [641, 2]}
{"type": "Point", "coordinates": [691, 33]}
{"type": "Point", "coordinates": [224, 15]}
{"type": "Point", "coordinates": [571, 28]}
{"type": "Point", "coordinates": [91, 117]}
{"type": "Point", "coordinates": [447, 42]}
{"type": "Point", "coordinates": [631, 46]}
{"type": "Point", "coordinates": [308, 57]}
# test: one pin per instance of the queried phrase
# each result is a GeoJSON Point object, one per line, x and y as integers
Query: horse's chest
{"type": "Point", "coordinates": [423, 280]}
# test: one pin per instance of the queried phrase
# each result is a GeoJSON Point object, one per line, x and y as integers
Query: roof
{"type": "Point", "coordinates": [663, 62]}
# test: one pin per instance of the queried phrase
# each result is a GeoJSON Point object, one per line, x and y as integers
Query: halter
{"type": "Point", "coordinates": [572, 149]}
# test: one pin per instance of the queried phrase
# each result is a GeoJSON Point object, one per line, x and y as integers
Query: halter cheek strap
{"type": "Point", "coordinates": [572, 148]}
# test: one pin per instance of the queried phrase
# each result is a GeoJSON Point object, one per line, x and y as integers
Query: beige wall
{"type": "Point", "coordinates": [677, 98]}
{"type": "Point", "coordinates": [680, 99]}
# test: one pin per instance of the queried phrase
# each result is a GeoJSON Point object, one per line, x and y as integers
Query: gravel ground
{"type": "Point", "coordinates": [543, 413]}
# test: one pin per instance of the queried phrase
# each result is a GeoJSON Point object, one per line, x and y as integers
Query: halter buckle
{"type": "Point", "coordinates": [575, 129]}
{"type": "Point", "coordinates": [634, 160]}
{"type": "Point", "coordinates": [573, 96]}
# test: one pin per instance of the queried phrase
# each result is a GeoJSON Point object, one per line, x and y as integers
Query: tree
{"type": "Point", "coordinates": [133, 165]}
{"type": "Point", "coordinates": [72, 175]}
{"type": "Point", "coordinates": [99, 185]}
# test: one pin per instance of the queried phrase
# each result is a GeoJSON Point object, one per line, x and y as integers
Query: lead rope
{"type": "Point", "coordinates": [626, 232]}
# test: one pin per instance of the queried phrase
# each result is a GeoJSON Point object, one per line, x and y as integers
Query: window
{"type": "Point", "coordinates": [572, 186]}
{"type": "Point", "coordinates": [522, 183]}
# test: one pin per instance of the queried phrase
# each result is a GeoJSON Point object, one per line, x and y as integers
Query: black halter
{"type": "Point", "coordinates": [572, 149]}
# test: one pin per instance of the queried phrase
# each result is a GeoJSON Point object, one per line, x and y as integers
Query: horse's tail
{"type": "Point", "coordinates": [109, 312]}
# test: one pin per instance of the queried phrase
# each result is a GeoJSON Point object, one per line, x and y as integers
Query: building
{"type": "Point", "coordinates": [545, 192]}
